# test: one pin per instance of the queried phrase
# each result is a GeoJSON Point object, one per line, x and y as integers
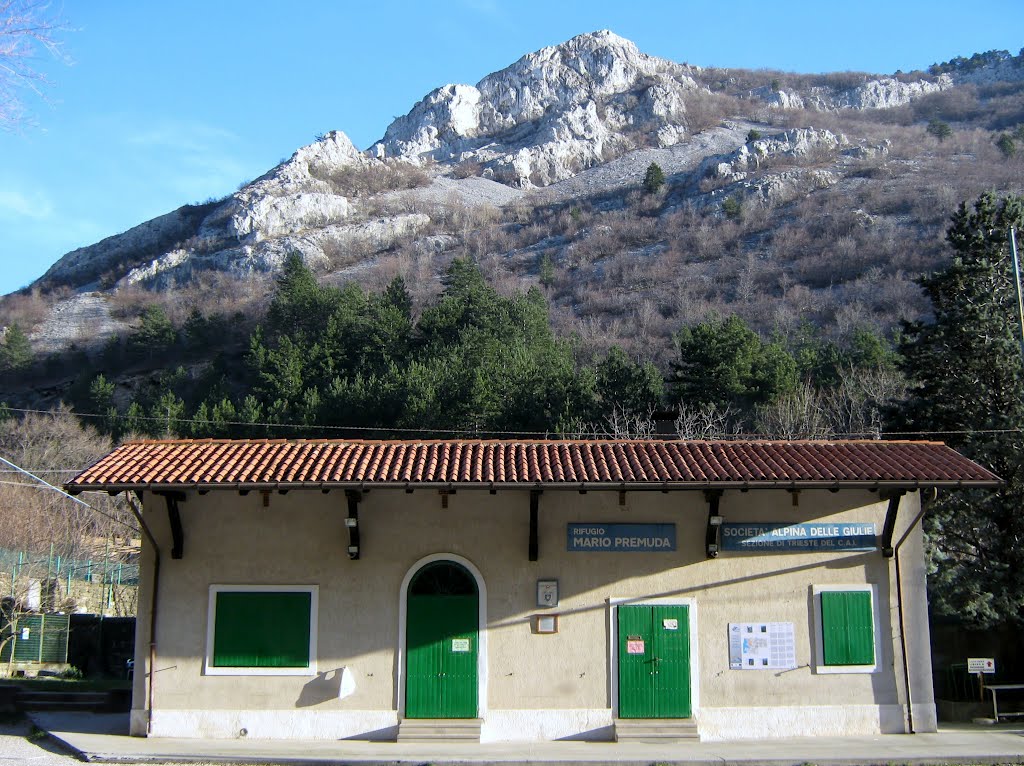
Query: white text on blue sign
{"type": "Point", "coordinates": [778, 536]}
{"type": "Point", "coordinates": [621, 537]}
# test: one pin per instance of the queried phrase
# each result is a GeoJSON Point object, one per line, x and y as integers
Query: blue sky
{"type": "Point", "coordinates": [172, 102]}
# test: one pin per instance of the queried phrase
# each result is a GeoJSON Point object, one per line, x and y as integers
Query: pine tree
{"type": "Point", "coordinates": [654, 179]}
{"type": "Point", "coordinates": [15, 350]}
{"type": "Point", "coordinates": [939, 129]}
{"type": "Point", "coordinates": [726, 364]}
{"type": "Point", "coordinates": [967, 387]}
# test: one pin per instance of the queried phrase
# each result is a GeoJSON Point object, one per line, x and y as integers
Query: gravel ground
{"type": "Point", "coordinates": [19, 747]}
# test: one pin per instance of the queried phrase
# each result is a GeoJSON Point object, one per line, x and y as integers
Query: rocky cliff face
{"type": "Point", "coordinates": [551, 114]}
{"type": "Point", "coordinates": [582, 118]}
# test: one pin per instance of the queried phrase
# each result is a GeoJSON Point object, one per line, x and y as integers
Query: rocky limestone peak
{"type": "Point", "coordinates": [291, 197]}
{"type": "Point", "coordinates": [331, 150]}
{"type": "Point", "coordinates": [582, 69]}
{"type": "Point", "coordinates": [550, 114]}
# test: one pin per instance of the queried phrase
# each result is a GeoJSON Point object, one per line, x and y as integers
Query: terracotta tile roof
{"type": "Point", "coordinates": [281, 464]}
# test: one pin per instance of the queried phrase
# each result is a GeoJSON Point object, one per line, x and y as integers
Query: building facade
{"type": "Point", "coordinates": [531, 590]}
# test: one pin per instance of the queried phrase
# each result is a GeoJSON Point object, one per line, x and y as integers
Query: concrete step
{"type": "Point", "coordinates": [43, 696]}
{"type": "Point", "coordinates": [78, 701]}
{"type": "Point", "coordinates": [656, 730]}
{"type": "Point", "coordinates": [439, 729]}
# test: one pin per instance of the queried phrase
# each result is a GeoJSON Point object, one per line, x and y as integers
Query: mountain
{"type": "Point", "coordinates": [790, 199]}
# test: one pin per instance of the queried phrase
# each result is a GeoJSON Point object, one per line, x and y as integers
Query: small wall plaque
{"type": "Point", "coordinates": [547, 593]}
{"type": "Point", "coordinates": [545, 623]}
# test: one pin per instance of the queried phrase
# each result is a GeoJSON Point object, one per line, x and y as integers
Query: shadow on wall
{"type": "Point", "coordinates": [328, 685]}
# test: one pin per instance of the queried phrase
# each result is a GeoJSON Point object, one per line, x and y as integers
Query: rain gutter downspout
{"type": "Point", "coordinates": [150, 675]}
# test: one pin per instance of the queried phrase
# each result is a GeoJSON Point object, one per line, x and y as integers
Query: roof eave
{"type": "Point", "coordinates": [631, 486]}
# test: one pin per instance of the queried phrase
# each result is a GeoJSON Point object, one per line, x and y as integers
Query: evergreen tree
{"type": "Point", "coordinates": [1007, 145]}
{"type": "Point", "coordinates": [154, 335]}
{"type": "Point", "coordinates": [967, 387]}
{"type": "Point", "coordinates": [654, 178]}
{"type": "Point", "coordinates": [101, 401]}
{"type": "Point", "coordinates": [15, 350]}
{"type": "Point", "coordinates": [300, 305]}
{"type": "Point", "coordinates": [939, 129]}
{"type": "Point", "coordinates": [726, 364]}
{"type": "Point", "coordinates": [632, 388]}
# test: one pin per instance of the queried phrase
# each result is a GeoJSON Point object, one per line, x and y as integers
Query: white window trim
{"type": "Point", "coordinates": [211, 670]}
{"type": "Point", "coordinates": [819, 650]}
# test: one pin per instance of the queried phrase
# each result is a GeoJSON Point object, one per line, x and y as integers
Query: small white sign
{"type": "Point", "coordinates": [670, 624]}
{"type": "Point", "coordinates": [547, 623]}
{"type": "Point", "coordinates": [547, 593]}
{"type": "Point", "coordinates": [981, 665]}
{"type": "Point", "coordinates": [634, 646]}
{"type": "Point", "coordinates": [460, 644]}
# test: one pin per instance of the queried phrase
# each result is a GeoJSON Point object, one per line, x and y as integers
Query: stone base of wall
{"type": "Point", "coordinates": [547, 725]}
{"type": "Point", "coordinates": [723, 724]}
{"type": "Point", "coordinates": [373, 725]}
{"type": "Point", "coordinates": [597, 725]}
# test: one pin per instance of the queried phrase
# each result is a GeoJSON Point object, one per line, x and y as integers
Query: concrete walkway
{"type": "Point", "coordinates": [95, 737]}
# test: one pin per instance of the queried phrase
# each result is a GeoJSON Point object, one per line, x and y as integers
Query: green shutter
{"type": "Point", "coordinates": [847, 628]}
{"type": "Point", "coordinates": [262, 629]}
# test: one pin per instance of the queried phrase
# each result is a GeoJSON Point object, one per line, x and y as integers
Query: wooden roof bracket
{"type": "Point", "coordinates": [893, 496]}
{"type": "Point", "coordinates": [712, 540]}
{"type": "Point", "coordinates": [352, 522]}
{"type": "Point", "coordinates": [533, 551]}
{"type": "Point", "coordinates": [174, 517]}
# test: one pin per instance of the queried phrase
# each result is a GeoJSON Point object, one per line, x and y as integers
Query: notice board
{"type": "Point", "coordinates": [761, 646]}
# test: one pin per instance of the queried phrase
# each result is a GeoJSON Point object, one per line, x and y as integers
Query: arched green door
{"type": "Point", "coordinates": [442, 643]}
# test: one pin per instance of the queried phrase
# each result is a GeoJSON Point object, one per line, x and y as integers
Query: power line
{"type": "Point", "coordinates": [478, 433]}
{"type": "Point", "coordinates": [45, 485]}
{"type": "Point", "coordinates": [42, 470]}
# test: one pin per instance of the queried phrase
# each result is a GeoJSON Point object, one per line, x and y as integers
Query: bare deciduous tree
{"type": "Point", "coordinates": [706, 422]}
{"type": "Point", "coordinates": [39, 524]}
{"type": "Point", "coordinates": [618, 425]}
{"type": "Point", "coordinates": [799, 414]}
{"type": "Point", "coordinates": [26, 27]}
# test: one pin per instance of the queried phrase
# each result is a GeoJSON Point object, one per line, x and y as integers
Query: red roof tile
{"type": "Point", "coordinates": [673, 464]}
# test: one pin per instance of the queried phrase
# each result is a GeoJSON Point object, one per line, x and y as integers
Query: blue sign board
{"type": "Point", "coordinates": [639, 538]}
{"type": "Point", "coordinates": [808, 538]}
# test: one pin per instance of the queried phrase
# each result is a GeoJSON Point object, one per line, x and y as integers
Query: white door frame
{"type": "Point", "coordinates": [481, 631]}
{"type": "Point", "coordinates": [613, 644]}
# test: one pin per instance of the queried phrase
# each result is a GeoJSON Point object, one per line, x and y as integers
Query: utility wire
{"type": "Point", "coordinates": [43, 484]}
{"type": "Point", "coordinates": [479, 433]}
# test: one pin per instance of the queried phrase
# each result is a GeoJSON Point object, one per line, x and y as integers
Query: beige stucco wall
{"type": "Point", "coordinates": [562, 683]}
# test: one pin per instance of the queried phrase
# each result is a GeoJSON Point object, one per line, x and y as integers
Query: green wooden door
{"type": "Point", "coordinates": [441, 644]}
{"type": "Point", "coordinates": [654, 662]}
